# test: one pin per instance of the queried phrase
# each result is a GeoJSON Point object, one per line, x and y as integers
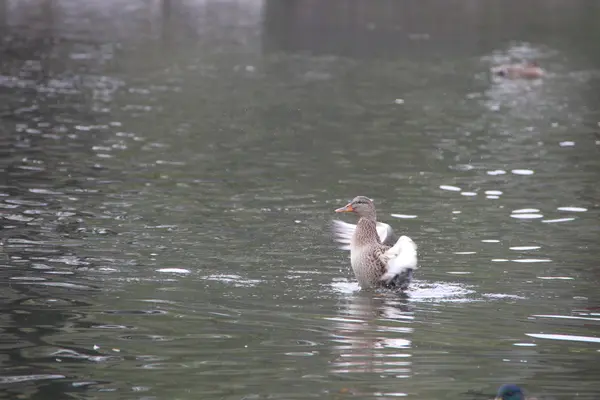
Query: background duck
{"type": "Point", "coordinates": [511, 392]}
{"type": "Point", "coordinates": [529, 70]}
{"type": "Point", "coordinates": [375, 259]}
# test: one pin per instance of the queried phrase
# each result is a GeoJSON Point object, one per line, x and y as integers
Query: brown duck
{"type": "Point", "coordinates": [377, 259]}
{"type": "Point", "coordinates": [529, 70]}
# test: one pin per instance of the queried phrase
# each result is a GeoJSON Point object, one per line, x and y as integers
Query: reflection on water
{"type": "Point", "coordinates": [372, 335]}
{"type": "Point", "coordinates": [169, 171]}
{"type": "Point", "coordinates": [372, 338]}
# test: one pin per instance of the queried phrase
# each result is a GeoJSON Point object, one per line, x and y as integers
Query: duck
{"type": "Point", "coordinates": [511, 392]}
{"type": "Point", "coordinates": [378, 259]}
{"type": "Point", "coordinates": [529, 70]}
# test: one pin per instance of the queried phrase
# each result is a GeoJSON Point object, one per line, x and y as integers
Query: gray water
{"type": "Point", "coordinates": [169, 174]}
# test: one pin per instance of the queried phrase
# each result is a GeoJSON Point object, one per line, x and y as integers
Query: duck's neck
{"type": "Point", "coordinates": [366, 231]}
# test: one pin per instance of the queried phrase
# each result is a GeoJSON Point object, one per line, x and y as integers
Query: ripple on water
{"type": "Point", "coordinates": [574, 317]}
{"type": "Point", "coordinates": [150, 338]}
{"type": "Point", "coordinates": [135, 312]}
{"type": "Point", "coordinates": [572, 209]}
{"type": "Point", "coordinates": [522, 248]}
{"type": "Point", "coordinates": [558, 278]}
{"type": "Point", "coordinates": [522, 172]}
{"type": "Point", "coordinates": [572, 338]}
{"type": "Point", "coordinates": [66, 285]}
{"type": "Point", "coordinates": [174, 270]}
{"type": "Point", "coordinates": [498, 296]}
{"type": "Point", "coordinates": [527, 216]}
{"type": "Point", "coordinates": [403, 216]}
{"type": "Point", "coordinates": [450, 188]}
{"type": "Point", "coordinates": [440, 292]}
{"type": "Point", "coordinates": [567, 143]}
{"type": "Point", "coordinates": [419, 291]}
{"type": "Point", "coordinates": [526, 211]}
{"type": "Point", "coordinates": [25, 378]}
{"type": "Point", "coordinates": [557, 220]}
{"type": "Point", "coordinates": [68, 354]}
{"type": "Point", "coordinates": [236, 280]}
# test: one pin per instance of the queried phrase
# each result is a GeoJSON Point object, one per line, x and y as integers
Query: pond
{"type": "Point", "coordinates": [169, 175]}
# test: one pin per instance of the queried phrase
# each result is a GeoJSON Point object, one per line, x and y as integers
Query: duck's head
{"type": "Point", "coordinates": [361, 205]}
{"type": "Point", "coordinates": [499, 71]}
{"type": "Point", "coordinates": [510, 392]}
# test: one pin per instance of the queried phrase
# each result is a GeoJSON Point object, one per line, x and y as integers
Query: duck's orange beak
{"type": "Point", "coordinates": [346, 208]}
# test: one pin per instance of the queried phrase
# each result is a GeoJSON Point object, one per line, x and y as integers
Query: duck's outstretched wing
{"type": "Point", "coordinates": [343, 231]}
{"type": "Point", "coordinates": [399, 259]}
{"type": "Point", "coordinates": [386, 234]}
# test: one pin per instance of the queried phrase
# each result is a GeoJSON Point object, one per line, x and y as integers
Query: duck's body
{"type": "Point", "coordinates": [529, 70]}
{"type": "Point", "coordinates": [377, 259]}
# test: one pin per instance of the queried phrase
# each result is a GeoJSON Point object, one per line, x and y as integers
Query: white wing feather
{"type": "Point", "coordinates": [343, 232]}
{"type": "Point", "coordinates": [400, 257]}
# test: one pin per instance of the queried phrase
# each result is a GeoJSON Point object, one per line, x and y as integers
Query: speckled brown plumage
{"type": "Point", "coordinates": [371, 260]}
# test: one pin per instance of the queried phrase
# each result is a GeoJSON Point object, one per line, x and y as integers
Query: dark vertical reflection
{"type": "Point", "coordinates": [435, 28]}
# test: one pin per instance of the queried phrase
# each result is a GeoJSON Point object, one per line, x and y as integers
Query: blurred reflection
{"type": "Point", "coordinates": [416, 27]}
{"type": "Point", "coordinates": [373, 335]}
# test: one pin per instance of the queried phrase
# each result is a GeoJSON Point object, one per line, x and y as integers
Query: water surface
{"type": "Point", "coordinates": [169, 174]}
